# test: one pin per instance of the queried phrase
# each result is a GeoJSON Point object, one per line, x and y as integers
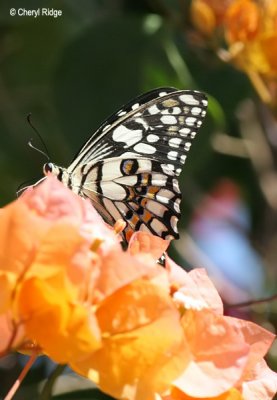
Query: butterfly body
{"type": "Point", "coordinates": [129, 167]}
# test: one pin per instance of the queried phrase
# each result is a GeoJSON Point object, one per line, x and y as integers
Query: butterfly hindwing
{"type": "Point", "coordinates": [137, 190]}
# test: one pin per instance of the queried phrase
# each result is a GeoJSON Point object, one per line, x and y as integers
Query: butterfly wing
{"type": "Point", "coordinates": [137, 190]}
{"type": "Point", "coordinates": [100, 145]}
{"type": "Point", "coordinates": [128, 169]}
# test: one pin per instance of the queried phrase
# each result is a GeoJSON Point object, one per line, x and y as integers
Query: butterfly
{"type": "Point", "coordinates": [128, 168]}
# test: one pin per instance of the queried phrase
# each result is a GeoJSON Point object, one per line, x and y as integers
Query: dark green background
{"type": "Point", "coordinates": [74, 71]}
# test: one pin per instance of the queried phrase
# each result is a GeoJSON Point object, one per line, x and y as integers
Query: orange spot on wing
{"type": "Point", "coordinates": [146, 216]}
{"type": "Point", "coordinates": [152, 190]}
{"type": "Point", "coordinates": [145, 179]}
{"type": "Point", "coordinates": [143, 202]}
{"type": "Point", "coordinates": [131, 194]}
{"type": "Point", "coordinates": [128, 233]}
{"type": "Point", "coordinates": [134, 220]}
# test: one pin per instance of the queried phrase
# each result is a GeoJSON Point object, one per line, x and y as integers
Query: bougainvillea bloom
{"type": "Point", "coordinates": [46, 265]}
{"type": "Point", "coordinates": [136, 329]}
{"type": "Point", "coordinates": [243, 33]}
{"type": "Point", "coordinates": [228, 373]}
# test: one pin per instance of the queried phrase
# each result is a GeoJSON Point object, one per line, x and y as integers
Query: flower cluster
{"type": "Point", "coordinates": [138, 330]}
{"type": "Point", "coordinates": [249, 30]}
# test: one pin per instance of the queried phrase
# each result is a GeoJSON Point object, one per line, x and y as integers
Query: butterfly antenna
{"type": "Point", "coordinates": [46, 152]}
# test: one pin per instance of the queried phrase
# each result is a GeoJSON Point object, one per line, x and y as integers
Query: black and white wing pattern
{"type": "Point", "coordinates": [129, 166]}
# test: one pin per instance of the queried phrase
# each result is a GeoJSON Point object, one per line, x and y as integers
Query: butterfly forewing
{"type": "Point", "coordinates": [95, 141]}
{"type": "Point", "coordinates": [129, 166]}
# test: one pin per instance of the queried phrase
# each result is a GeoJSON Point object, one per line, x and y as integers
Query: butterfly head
{"type": "Point", "coordinates": [51, 169]}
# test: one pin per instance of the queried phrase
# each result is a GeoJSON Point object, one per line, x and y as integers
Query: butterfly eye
{"type": "Point", "coordinates": [48, 168]}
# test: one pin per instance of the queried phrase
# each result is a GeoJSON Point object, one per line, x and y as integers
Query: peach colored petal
{"type": "Point", "coordinates": [144, 242]}
{"type": "Point", "coordinates": [7, 284]}
{"type": "Point", "coordinates": [119, 268]}
{"type": "Point", "coordinates": [30, 219]}
{"type": "Point", "coordinates": [11, 335]}
{"type": "Point", "coordinates": [63, 329]}
{"type": "Point", "coordinates": [232, 394]}
{"type": "Point", "coordinates": [206, 7]}
{"type": "Point", "coordinates": [20, 232]}
{"type": "Point", "coordinates": [53, 201]}
{"type": "Point", "coordinates": [269, 48]}
{"type": "Point", "coordinates": [242, 21]}
{"type": "Point", "coordinates": [177, 275]}
{"type": "Point", "coordinates": [194, 289]}
{"type": "Point", "coordinates": [206, 289]}
{"type": "Point", "coordinates": [258, 338]}
{"type": "Point", "coordinates": [262, 384]}
{"type": "Point", "coordinates": [143, 343]}
{"type": "Point", "coordinates": [218, 354]}
{"type": "Point", "coordinates": [64, 251]}
{"type": "Point", "coordinates": [203, 17]}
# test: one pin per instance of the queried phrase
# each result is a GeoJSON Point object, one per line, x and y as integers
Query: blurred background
{"type": "Point", "coordinates": [73, 71]}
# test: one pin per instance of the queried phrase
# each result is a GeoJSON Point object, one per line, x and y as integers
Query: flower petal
{"type": "Point", "coordinates": [218, 354]}
{"type": "Point", "coordinates": [144, 242]}
{"type": "Point", "coordinates": [143, 343]}
{"type": "Point", "coordinates": [262, 384]}
{"type": "Point", "coordinates": [119, 268]}
{"type": "Point", "coordinates": [194, 289]}
{"type": "Point", "coordinates": [62, 329]}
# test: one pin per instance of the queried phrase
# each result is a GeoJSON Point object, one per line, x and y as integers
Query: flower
{"type": "Point", "coordinates": [136, 329]}
{"type": "Point", "coordinates": [141, 332]}
{"type": "Point", "coordinates": [226, 354]}
{"type": "Point", "coordinates": [242, 21]}
{"type": "Point", "coordinates": [143, 344]}
{"type": "Point", "coordinates": [207, 15]}
{"type": "Point", "coordinates": [46, 266]}
{"type": "Point", "coordinates": [252, 28]}
{"type": "Point", "coordinates": [247, 29]}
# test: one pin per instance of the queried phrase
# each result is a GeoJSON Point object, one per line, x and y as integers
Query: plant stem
{"type": "Point", "coordinates": [250, 302]}
{"type": "Point", "coordinates": [22, 375]}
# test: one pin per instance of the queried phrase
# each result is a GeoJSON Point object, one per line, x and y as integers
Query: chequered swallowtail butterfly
{"type": "Point", "coordinates": [129, 167]}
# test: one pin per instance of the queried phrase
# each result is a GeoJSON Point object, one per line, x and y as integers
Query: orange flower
{"type": "Point", "coordinates": [203, 17]}
{"type": "Point", "coordinates": [140, 329]}
{"type": "Point", "coordinates": [248, 29]}
{"type": "Point", "coordinates": [72, 301]}
{"type": "Point", "coordinates": [46, 267]}
{"type": "Point", "coordinates": [136, 329]}
{"type": "Point", "coordinates": [261, 384]}
{"type": "Point", "coordinates": [193, 290]}
{"type": "Point", "coordinates": [141, 332]}
{"type": "Point", "coordinates": [207, 15]}
{"type": "Point", "coordinates": [225, 353]}
{"type": "Point", "coordinates": [176, 394]}
{"type": "Point", "coordinates": [145, 243]}
{"type": "Point", "coordinates": [143, 343]}
{"type": "Point", "coordinates": [242, 21]}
